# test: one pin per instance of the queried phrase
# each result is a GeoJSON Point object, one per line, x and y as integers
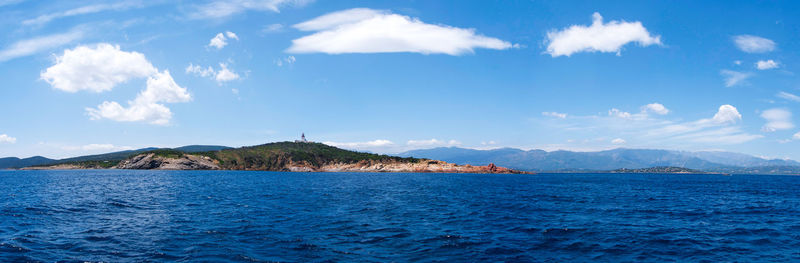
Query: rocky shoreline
{"type": "Point", "coordinates": [151, 161]}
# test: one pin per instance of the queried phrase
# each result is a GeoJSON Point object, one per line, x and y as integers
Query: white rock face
{"type": "Point", "coordinates": [185, 162]}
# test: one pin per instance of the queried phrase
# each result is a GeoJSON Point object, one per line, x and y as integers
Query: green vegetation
{"type": "Point", "coordinates": [269, 157]}
{"type": "Point", "coordinates": [166, 153]}
{"type": "Point", "coordinates": [87, 164]}
{"type": "Point", "coordinates": [273, 156]}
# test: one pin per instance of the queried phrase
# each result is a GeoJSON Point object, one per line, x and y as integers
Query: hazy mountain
{"type": "Point", "coordinates": [14, 162]}
{"type": "Point", "coordinates": [741, 160]}
{"type": "Point", "coordinates": [538, 160]}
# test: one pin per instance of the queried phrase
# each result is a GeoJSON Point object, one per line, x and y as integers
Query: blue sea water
{"type": "Point", "coordinates": [234, 216]}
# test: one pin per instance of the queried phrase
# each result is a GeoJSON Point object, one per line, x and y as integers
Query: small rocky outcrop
{"type": "Point", "coordinates": [151, 161]}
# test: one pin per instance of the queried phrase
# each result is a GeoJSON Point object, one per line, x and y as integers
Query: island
{"type": "Point", "coordinates": [298, 156]}
{"type": "Point", "coordinates": [660, 170]}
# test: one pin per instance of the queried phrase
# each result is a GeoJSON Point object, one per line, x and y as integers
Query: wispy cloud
{"type": "Point", "coordinates": [734, 78]}
{"type": "Point", "coordinates": [554, 114]}
{"type": "Point", "coordinates": [271, 28]}
{"type": "Point", "coordinates": [598, 37]}
{"type": "Point", "coordinates": [753, 44]}
{"type": "Point", "coordinates": [652, 130]}
{"type": "Point", "coordinates": [220, 9]}
{"type": "Point", "coordinates": [788, 96]}
{"type": "Point", "coordinates": [35, 45]}
{"type": "Point", "coordinates": [362, 145]}
{"type": "Point", "coordinates": [89, 9]}
{"type": "Point", "coordinates": [362, 30]}
{"type": "Point", "coordinates": [96, 147]}
{"type": "Point", "coordinates": [432, 143]}
{"type": "Point", "coordinates": [777, 119]}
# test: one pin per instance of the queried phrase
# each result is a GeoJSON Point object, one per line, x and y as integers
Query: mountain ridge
{"type": "Point", "coordinates": [606, 160]}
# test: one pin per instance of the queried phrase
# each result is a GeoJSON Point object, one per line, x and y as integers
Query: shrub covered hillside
{"type": "Point", "coordinates": [274, 156]}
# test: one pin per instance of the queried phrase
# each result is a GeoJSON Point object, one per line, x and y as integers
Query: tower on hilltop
{"type": "Point", "coordinates": [302, 138]}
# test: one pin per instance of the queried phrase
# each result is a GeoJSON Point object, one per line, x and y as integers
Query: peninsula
{"type": "Point", "coordinates": [298, 156]}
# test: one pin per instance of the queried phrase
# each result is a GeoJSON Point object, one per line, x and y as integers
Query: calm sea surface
{"type": "Point", "coordinates": [223, 216]}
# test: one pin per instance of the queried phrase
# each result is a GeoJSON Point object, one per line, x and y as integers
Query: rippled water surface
{"type": "Point", "coordinates": [105, 215]}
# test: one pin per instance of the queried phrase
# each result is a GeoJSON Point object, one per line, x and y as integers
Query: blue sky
{"type": "Point", "coordinates": [83, 77]}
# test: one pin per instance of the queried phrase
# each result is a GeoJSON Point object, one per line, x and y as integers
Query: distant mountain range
{"type": "Point", "coordinates": [14, 162]}
{"type": "Point", "coordinates": [539, 160]}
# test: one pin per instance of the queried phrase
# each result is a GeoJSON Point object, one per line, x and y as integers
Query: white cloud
{"type": "Point", "coordinates": [225, 75]}
{"type": "Point", "coordinates": [796, 136]}
{"type": "Point", "coordinates": [288, 60]}
{"type": "Point", "coordinates": [221, 39]}
{"type": "Point", "coordinates": [96, 69]}
{"type": "Point", "coordinates": [4, 138]}
{"type": "Point", "coordinates": [362, 30]}
{"type": "Point", "coordinates": [599, 37]}
{"type": "Point", "coordinates": [431, 142]}
{"type": "Point", "coordinates": [766, 64]}
{"type": "Point", "coordinates": [147, 106]}
{"type": "Point", "coordinates": [200, 71]}
{"type": "Point", "coordinates": [618, 141]}
{"type": "Point", "coordinates": [231, 35]}
{"type": "Point", "coordinates": [361, 145]}
{"type": "Point", "coordinates": [733, 78]}
{"type": "Point", "coordinates": [737, 62]}
{"type": "Point", "coordinates": [35, 45]}
{"type": "Point", "coordinates": [619, 114]}
{"type": "Point", "coordinates": [489, 143]}
{"type": "Point", "coordinates": [554, 114]}
{"type": "Point", "coordinates": [219, 9]}
{"type": "Point", "coordinates": [777, 119]}
{"type": "Point", "coordinates": [788, 96]}
{"type": "Point", "coordinates": [753, 44]}
{"type": "Point", "coordinates": [102, 67]}
{"type": "Point", "coordinates": [727, 114]}
{"type": "Point", "coordinates": [89, 9]}
{"type": "Point", "coordinates": [656, 108]}
{"type": "Point", "coordinates": [646, 110]}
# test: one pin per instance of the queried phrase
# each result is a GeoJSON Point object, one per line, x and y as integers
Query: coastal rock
{"type": "Point", "coordinates": [423, 166]}
{"type": "Point", "coordinates": [151, 161]}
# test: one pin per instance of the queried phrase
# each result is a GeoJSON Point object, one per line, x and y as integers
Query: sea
{"type": "Point", "coordinates": [248, 216]}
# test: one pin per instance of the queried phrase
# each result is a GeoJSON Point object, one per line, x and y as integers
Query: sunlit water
{"type": "Point", "coordinates": [110, 215]}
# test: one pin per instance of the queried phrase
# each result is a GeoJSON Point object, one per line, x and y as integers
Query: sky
{"type": "Point", "coordinates": [87, 77]}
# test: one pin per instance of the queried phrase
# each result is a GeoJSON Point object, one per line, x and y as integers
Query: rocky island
{"type": "Point", "coordinates": [280, 156]}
